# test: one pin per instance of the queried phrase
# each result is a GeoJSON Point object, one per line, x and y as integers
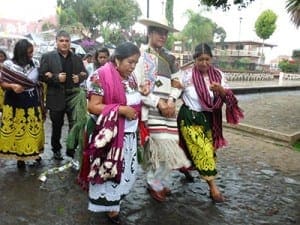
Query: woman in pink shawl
{"type": "Point", "coordinates": [200, 116]}
{"type": "Point", "coordinates": [114, 100]}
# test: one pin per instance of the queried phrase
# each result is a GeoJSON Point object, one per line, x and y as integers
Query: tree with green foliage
{"type": "Point", "coordinates": [200, 29]}
{"type": "Point", "coordinates": [265, 26]}
{"type": "Point", "coordinates": [224, 4]}
{"type": "Point", "coordinates": [288, 66]}
{"type": "Point", "coordinates": [169, 12]}
{"type": "Point", "coordinates": [99, 17]}
{"type": "Point", "coordinates": [170, 19]}
{"type": "Point", "coordinates": [296, 55]}
{"type": "Point", "coordinates": [47, 26]}
{"type": "Point", "coordinates": [293, 7]}
{"type": "Point", "coordinates": [296, 58]}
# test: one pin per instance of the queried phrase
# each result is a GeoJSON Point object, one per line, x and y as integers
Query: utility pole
{"type": "Point", "coordinates": [239, 47]}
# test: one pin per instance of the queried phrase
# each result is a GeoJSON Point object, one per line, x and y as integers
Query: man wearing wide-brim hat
{"type": "Point", "coordinates": [155, 68]}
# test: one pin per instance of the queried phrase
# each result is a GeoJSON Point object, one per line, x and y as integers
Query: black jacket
{"type": "Point", "coordinates": [56, 91]}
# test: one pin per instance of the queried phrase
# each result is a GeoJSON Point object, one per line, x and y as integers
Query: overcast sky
{"type": "Point", "coordinates": [286, 36]}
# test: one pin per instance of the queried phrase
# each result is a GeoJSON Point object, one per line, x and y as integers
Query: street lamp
{"type": "Point", "coordinates": [162, 8]}
{"type": "Point", "coordinates": [239, 40]}
{"type": "Point", "coordinates": [147, 8]}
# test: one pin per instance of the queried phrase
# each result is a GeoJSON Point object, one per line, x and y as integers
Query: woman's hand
{"type": "Point", "coordinates": [17, 88]}
{"type": "Point", "coordinates": [166, 108]}
{"type": "Point", "coordinates": [217, 88]}
{"type": "Point", "coordinates": [128, 112]}
{"type": "Point", "coordinates": [176, 84]}
{"type": "Point", "coordinates": [144, 89]}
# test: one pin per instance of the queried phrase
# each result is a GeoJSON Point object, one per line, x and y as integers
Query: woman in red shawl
{"type": "Point", "coordinates": [200, 116]}
{"type": "Point", "coordinates": [114, 102]}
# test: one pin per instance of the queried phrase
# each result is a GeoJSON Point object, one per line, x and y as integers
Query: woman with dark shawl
{"type": "Point", "coordinates": [22, 124]}
{"type": "Point", "coordinates": [114, 101]}
{"type": "Point", "coordinates": [200, 116]}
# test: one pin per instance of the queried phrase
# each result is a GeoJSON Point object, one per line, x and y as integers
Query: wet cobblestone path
{"type": "Point", "coordinates": [260, 179]}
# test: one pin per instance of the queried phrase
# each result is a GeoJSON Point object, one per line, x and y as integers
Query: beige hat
{"type": "Point", "coordinates": [162, 23]}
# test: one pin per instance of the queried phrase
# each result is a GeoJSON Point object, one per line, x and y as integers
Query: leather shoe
{"type": "Point", "coordinates": [159, 196]}
{"type": "Point", "coordinates": [57, 156]}
{"type": "Point", "coordinates": [70, 153]}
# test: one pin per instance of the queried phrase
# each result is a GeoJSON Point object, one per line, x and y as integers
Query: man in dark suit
{"type": "Point", "coordinates": [62, 71]}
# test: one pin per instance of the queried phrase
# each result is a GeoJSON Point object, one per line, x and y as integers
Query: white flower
{"type": "Point", "coordinates": [107, 165]}
{"type": "Point", "coordinates": [103, 173]}
{"type": "Point", "coordinates": [108, 135]}
{"type": "Point", "coordinates": [92, 173]}
{"type": "Point", "coordinates": [115, 131]}
{"type": "Point", "coordinates": [99, 143]}
{"type": "Point", "coordinates": [114, 171]}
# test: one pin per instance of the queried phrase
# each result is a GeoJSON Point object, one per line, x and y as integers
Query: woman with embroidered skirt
{"type": "Point", "coordinates": [114, 101]}
{"type": "Point", "coordinates": [200, 116]}
{"type": "Point", "coordinates": [22, 125]}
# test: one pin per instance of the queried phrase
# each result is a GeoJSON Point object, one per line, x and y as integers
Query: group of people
{"type": "Point", "coordinates": [132, 100]}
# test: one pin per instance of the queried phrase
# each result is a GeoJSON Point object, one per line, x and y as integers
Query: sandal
{"type": "Point", "coordinates": [115, 219]}
{"type": "Point", "coordinates": [159, 196]}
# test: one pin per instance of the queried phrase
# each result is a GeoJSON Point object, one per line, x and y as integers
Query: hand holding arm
{"type": "Point", "coordinates": [166, 108]}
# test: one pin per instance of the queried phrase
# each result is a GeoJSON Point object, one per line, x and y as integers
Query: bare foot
{"type": "Point", "coordinates": [217, 197]}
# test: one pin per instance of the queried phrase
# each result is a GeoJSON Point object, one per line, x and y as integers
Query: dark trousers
{"type": "Point", "coordinates": [57, 119]}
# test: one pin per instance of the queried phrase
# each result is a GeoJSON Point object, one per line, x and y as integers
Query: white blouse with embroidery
{"type": "Point", "coordinates": [189, 95]}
